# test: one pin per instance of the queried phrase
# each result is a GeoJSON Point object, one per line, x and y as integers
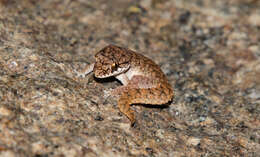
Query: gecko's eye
{"type": "Point", "coordinates": [114, 67]}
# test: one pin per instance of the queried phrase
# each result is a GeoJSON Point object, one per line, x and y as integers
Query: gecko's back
{"type": "Point", "coordinates": [148, 67]}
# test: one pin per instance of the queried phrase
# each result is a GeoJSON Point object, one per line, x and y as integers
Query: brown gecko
{"type": "Point", "coordinates": [143, 81]}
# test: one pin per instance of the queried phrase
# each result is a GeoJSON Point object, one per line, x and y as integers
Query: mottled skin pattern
{"type": "Point", "coordinates": [143, 81]}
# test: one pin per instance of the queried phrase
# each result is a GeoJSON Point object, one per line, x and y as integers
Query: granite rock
{"type": "Point", "coordinates": [209, 51]}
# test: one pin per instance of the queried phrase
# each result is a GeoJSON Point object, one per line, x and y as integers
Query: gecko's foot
{"type": "Point", "coordinates": [130, 115]}
{"type": "Point", "coordinates": [81, 71]}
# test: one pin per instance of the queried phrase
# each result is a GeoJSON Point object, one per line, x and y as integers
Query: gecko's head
{"type": "Point", "coordinates": [111, 61]}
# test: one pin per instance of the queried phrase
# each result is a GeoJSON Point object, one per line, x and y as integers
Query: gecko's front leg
{"type": "Point", "coordinates": [88, 69]}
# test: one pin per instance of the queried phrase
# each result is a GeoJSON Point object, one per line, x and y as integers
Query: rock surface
{"type": "Point", "coordinates": [209, 50]}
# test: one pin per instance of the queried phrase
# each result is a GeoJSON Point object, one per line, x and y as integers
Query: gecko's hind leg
{"type": "Point", "coordinates": [124, 107]}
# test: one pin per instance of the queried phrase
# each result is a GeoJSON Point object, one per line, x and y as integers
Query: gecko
{"type": "Point", "coordinates": [142, 79]}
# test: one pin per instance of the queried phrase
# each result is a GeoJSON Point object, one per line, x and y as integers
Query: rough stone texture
{"type": "Point", "coordinates": [209, 50]}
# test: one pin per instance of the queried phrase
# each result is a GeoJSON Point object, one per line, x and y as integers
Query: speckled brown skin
{"type": "Point", "coordinates": [143, 81]}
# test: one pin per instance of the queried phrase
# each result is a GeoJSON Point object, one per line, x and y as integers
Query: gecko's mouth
{"type": "Point", "coordinates": [114, 73]}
